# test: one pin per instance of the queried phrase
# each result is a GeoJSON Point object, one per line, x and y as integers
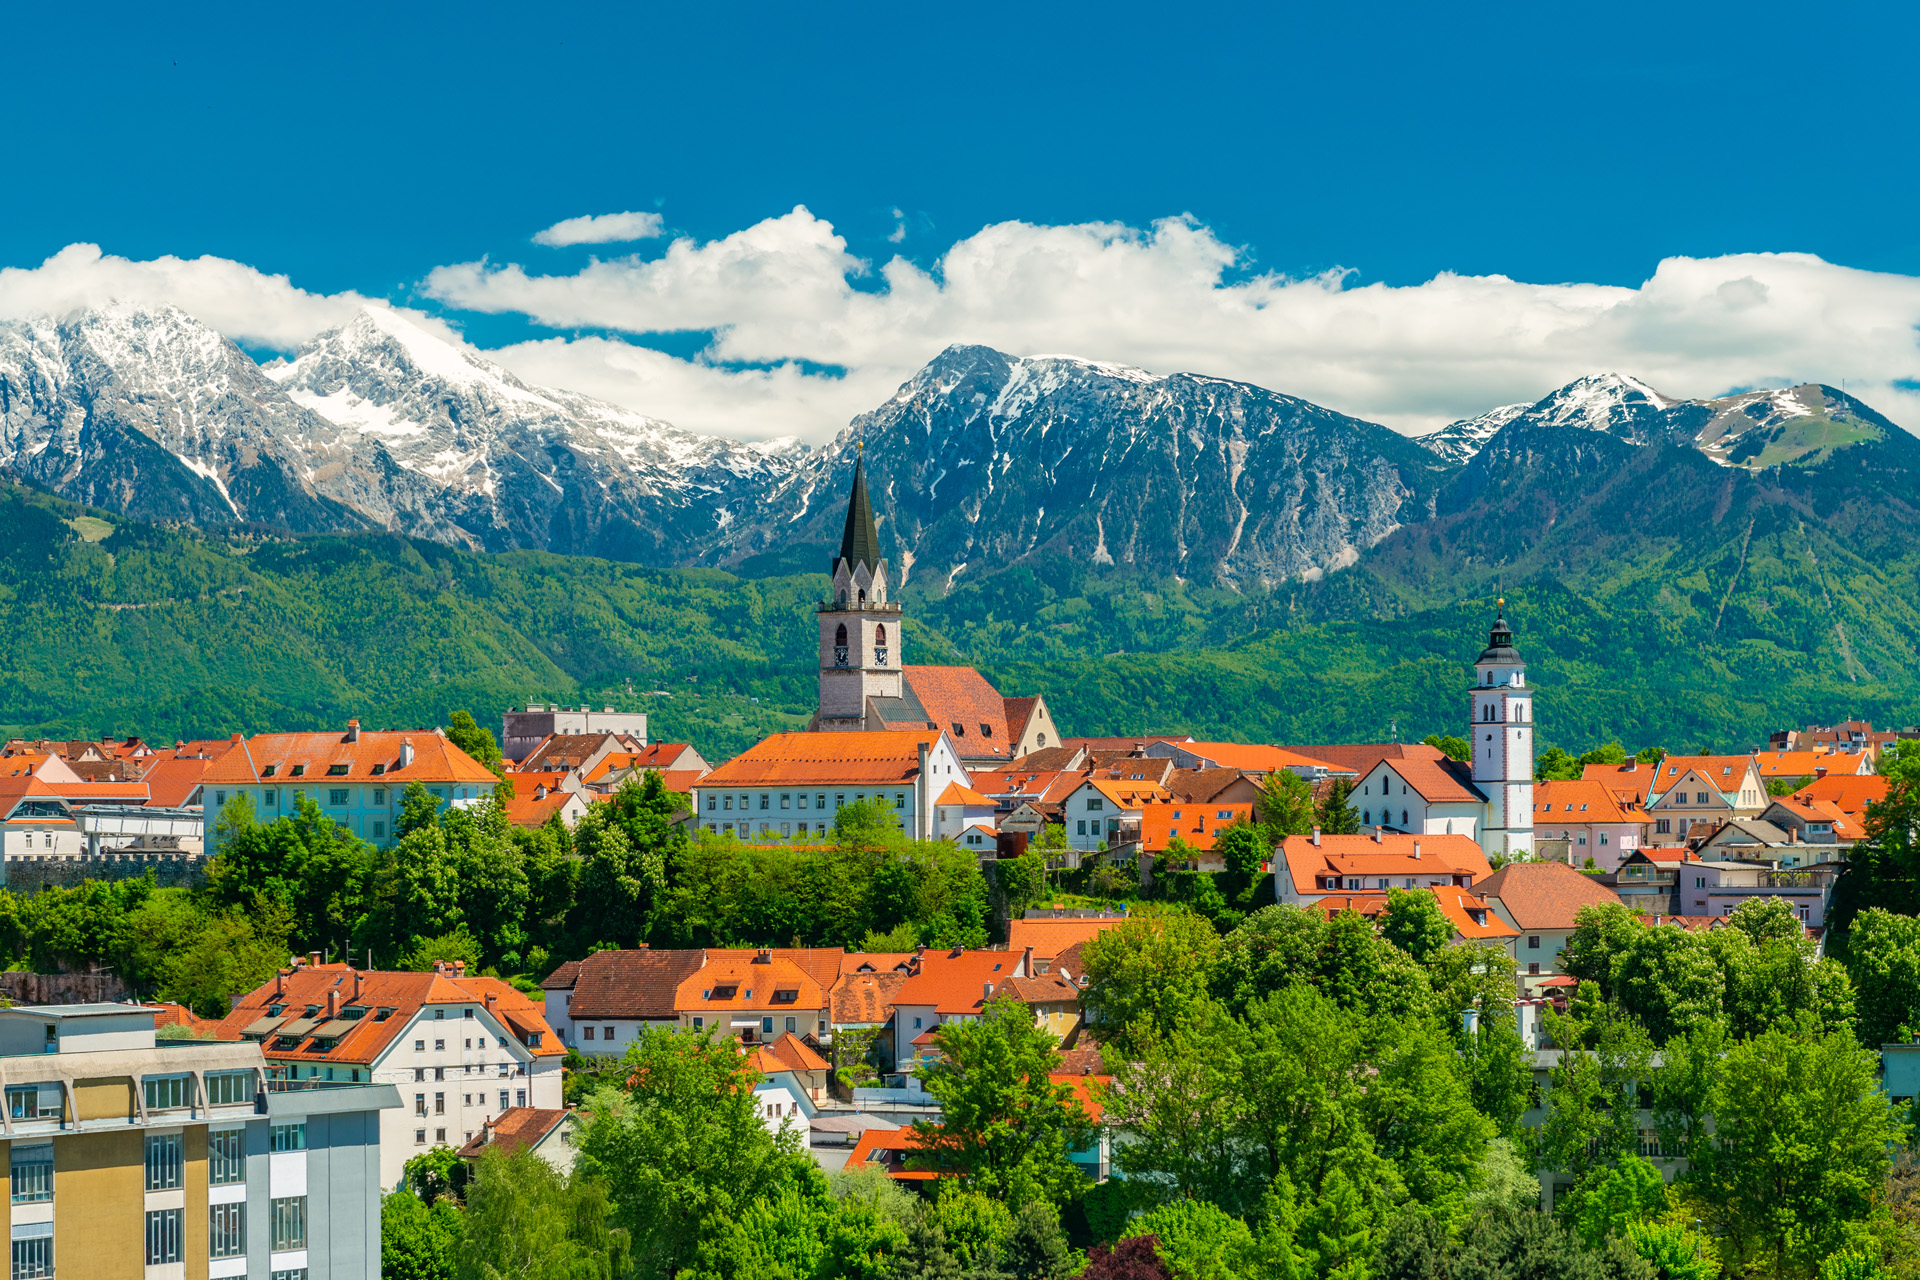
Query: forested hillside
{"type": "Point", "coordinates": [127, 628]}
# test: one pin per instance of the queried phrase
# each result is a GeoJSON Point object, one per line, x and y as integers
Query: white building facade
{"type": "Point", "coordinates": [1500, 708]}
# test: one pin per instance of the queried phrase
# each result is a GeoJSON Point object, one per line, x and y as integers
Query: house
{"type": "Point", "coordinates": [538, 807]}
{"type": "Point", "coordinates": [1760, 841]}
{"type": "Point", "coordinates": [546, 1131]}
{"type": "Point", "coordinates": [1044, 934]}
{"type": "Point", "coordinates": [1810, 821]}
{"type": "Point", "coordinates": [1313, 867]}
{"type": "Point", "coordinates": [1422, 792]}
{"type": "Point", "coordinates": [600, 1004]}
{"type": "Point", "coordinates": [1106, 812]}
{"type": "Point", "coordinates": [42, 765]}
{"type": "Point", "coordinates": [679, 765]}
{"type": "Point", "coordinates": [960, 808]}
{"type": "Point", "coordinates": [1589, 819]}
{"type": "Point", "coordinates": [801, 1071]}
{"type": "Point", "coordinates": [1628, 782]}
{"type": "Point", "coordinates": [1053, 999]}
{"type": "Point", "coordinates": [1849, 795]}
{"type": "Point", "coordinates": [1030, 725]}
{"type": "Point", "coordinates": [1196, 825]}
{"type": "Point", "coordinates": [356, 778]}
{"type": "Point", "coordinates": [462, 1049]}
{"type": "Point", "coordinates": [757, 998]}
{"type": "Point", "coordinates": [1540, 900]}
{"type": "Point", "coordinates": [1648, 880]}
{"type": "Point", "coordinates": [1776, 765]}
{"type": "Point", "coordinates": [795, 783]}
{"type": "Point", "coordinates": [577, 752]}
{"type": "Point", "coordinates": [861, 1002]}
{"type": "Point", "coordinates": [1688, 790]}
{"type": "Point", "coordinates": [524, 728]}
{"type": "Point", "coordinates": [1475, 920]}
{"type": "Point", "coordinates": [942, 987]}
{"type": "Point", "coordinates": [131, 1156]}
{"type": "Point", "coordinates": [36, 821]}
{"type": "Point", "coordinates": [1714, 887]}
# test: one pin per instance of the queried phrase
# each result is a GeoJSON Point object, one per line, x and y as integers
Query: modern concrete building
{"type": "Point", "coordinates": [176, 1159]}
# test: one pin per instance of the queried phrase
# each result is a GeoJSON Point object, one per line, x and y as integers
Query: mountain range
{"type": "Point", "coordinates": [979, 462]}
{"type": "Point", "coordinates": [1150, 551]}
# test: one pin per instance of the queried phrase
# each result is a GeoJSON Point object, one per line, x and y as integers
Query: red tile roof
{"type": "Point", "coordinates": [888, 1151]}
{"type": "Point", "coordinates": [365, 1038]}
{"type": "Point", "coordinates": [1586, 800]}
{"type": "Point", "coordinates": [1360, 757]}
{"type": "Point", "coordinates": [788, 1053]}
{"type": "Point", "coordinates": [960, 701]}
{"type": "Point", "coordinates": [1543, 895]}
{"type": "Point", "coordinates": [317, 756]}
{"type": "Point", "coordinates": [956, 982]}
{"type": "Point", "coordinates": [1440, 856]}
{"type": "Point", "coordinates": [1471, 917]}
{"type": "Point", "coordinates": [171, 781]}
{"type": "Point", "coordinates": [1257, 757]}
{"type": "Point", "coordinates": [526, 811]}
{"type": "Point", "coordinates": [885, 756]}
{"type": "Point", "coordinates": [957, 794]}
{"type": "Point", "coordinates": [1808, 764]}
{"type": "Point", "coordinates": [1045, 989]}
{"type": "Point", "coordinates": [1019, 711]}
{"type": "Point", "coordinates": [864, 999]}
{"type": "Point", "coordinates": [759, 984]}
{"type": "Point", "coordinates": [638, 984]}
{"type": "Point", "coordinates": [1724, 772]}
{"type": "Point", "coordinates": [516, 1129]}
{"type": "Point", "coordinates": [1851, 795]}
{"type": "Point", "coordinates": [1050, 937]}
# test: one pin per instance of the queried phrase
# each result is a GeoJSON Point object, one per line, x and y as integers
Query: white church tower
{"type": "Point", "coordinates": [860, 640]}
{"type": "Point", "coordinates": [1501, 707]}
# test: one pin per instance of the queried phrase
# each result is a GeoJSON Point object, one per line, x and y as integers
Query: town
{"type": "Point", "coordinates": [934, 985]}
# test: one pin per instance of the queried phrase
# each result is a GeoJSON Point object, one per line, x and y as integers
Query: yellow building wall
{"type": "Point", "coordinates": [194, 1148]}
{"type": "Point", "coordinates": [104, 1099]}
{"type": "Point", "coordinates": [99, 1199]}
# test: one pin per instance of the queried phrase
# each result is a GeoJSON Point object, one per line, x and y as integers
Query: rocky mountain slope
{"type": "Point", "coordinates": [984, 460]}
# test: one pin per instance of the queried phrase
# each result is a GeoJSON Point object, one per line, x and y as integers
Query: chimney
{"type": "Point", "coordinates": [1316, 837]}
{"type": "Point", "coordinates": [987, 993]}
{"type": "Point", "coordinates": [279, 983]}
{"type": "Point", "coordinates": [1378, 836]}
{"type": "Point", "coordinates": [493, 998]}
{"type": "Point", "coordinates": [459, 968]}
{"type": "Point", "coordinates": [763, 956]}
{"type": "Point", "coordinates": [406, 752]}
{"type": "Point", "coordinates": [1026, 964]}
{"type": "Point", "coordinates": [1416, 850]}
{"type": "Point", "coordinates": [540, 792]}
{"type": "Point", "coordinates": [313, 959]}
{"type": "Point", "coordinates": [440, 968]}
{"type": "Point", "coordinates": [353, 731]}
{"type": "Point", "coordinates": [333, 1004]}
{"type": "Point", "coordinates": [355, 997]}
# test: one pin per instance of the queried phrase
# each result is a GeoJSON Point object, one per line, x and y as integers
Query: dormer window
{"type": "Point", "coordinates": [337, 770]}
{"type": "Point", "coordinates": [379, 769]}
{"type": "Point", "coordinates": [959, 730]}
{"type": "Point", "coordinates": [268, 771]}
{"type": "Point", "coordinates": [986, 730]}
{"type": "Point", "coordinates": [297, 771]}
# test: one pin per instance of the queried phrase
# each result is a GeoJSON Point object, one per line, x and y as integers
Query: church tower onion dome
{"type": "Point", "coordinates": [1500, 651]}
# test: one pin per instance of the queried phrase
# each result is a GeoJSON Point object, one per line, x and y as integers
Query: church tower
{"type": "Point", "coordinates": [1501, 708]}
{"type": "Point", "coordinates": [861, 648]}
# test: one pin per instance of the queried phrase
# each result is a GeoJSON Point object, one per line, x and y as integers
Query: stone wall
{"type": "Point", "coordinates": [63, 988]}
{"type": "Point", "coordinates": [29, 875]}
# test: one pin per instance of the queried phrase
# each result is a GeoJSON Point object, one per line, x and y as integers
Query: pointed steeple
{"type": "Point", "coordinates": [860, 544]}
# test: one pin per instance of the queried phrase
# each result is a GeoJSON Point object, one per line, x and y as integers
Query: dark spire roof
{"type": "Point", "coordinates": [1500, 648]}
{"type": "Point", "coordinates": [860, 544]}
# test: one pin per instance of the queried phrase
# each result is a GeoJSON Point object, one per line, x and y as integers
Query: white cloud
{"type": "Point", "coordinates": [899, 232]}
{"type": "Point", "coordinates": [1412, 356]}
{"type": "Point", "coordinates": [781, 298]}
{"type": "Point", "coordinates": [603, 228]}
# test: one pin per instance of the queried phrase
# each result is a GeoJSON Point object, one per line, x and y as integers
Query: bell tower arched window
{"type": "Point", "coordinates": [840, 645]}
{"type": "Point", "coordinates": [880, 645]}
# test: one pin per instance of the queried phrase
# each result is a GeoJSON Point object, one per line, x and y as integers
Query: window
{"type": "Point", "coordinates": [519, 1097]}
{"type": "Point", "coordinates": [439, 1104]}
{"type": "Point", "coordinates": [1533, 942]}
{"type": "Point", "coordinates": [379, 831]}
{"type": "Point", "coordinates": [163, 1162]}
{"type": "Point", "coordinates": [229, 1088]}
{"type": "Point", "coordinates": [298, 770]}
{"type": "Point", "coordinates": [270, 797]}
{"type": "Point", "coordinates": [289, 1217]}
{"type": "Point", "coordinates": [713, 802]}
{"type": "Point", "coordinates": [819, 801]}
{"type": "Point", "coordinates": [699, 1024]}
{"type": "Point", "coordinates": [419, 1104]}
{"type": "Point", "coordinates": [34, 1101]}
{"type": "Point", "coordinates": [1083, 827]}
{"type": "Point", "coordinates": [419, 1137]}
{"type": "Point", "coordinates": [440, 1136]}
{"type": "Point", "coordinates": [337, 796]}
{"type": "Point", "coordinates": [164, 1093]}
{"type": "Point", "coordinates": [899, 800]}
{"type": "Point", "coordinates": [586, 1033]}
{"type": "Point", "coordinates": [1095, 805]}
{"type": "Point", "coordinates": [226, 1157]}
{"type": "Point", "coordinates": [607, 1036]}
{"type": "Point", "coordinates": [439, 1046]}
{"type": "Point", "coordinates": [726, 802]}
{"type": "Point", "coordinates": [786, 800]}
{"type": "Point", "coordinates": [227, 1230]}
{"type": "Point", "coordinates": [766, 798]}
{"type": "Point", "coordinates": [503, 1099]}
{"type": "Point", "coordinates": [33, 1251]}
{"type": "Point", "coordinates": [1663, 825]}
{"type": "Point", "coordinates": [379, 794]}
{"type": "Point", "coordinates": [219, 799]}
{"type": "Point", "coordinates": [163, 1236]}
{"type": "Point", "coordinates": [419, 1046]}
{"type": "Point", "coordinates": [1533, 968]}
{"type": "Point", "coordinates": [839, 799]}
{"type": "Point", "coordinates": [336, 771]}
{"type": "Point", "coordinates": [289, 1137]}
{"type": "Point", "coordinates": [32, 1173]}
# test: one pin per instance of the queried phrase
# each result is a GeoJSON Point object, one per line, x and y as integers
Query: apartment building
{"type": "Point", "coordinates": [167, 1159]}
{"type": "Point", "coordinates": [462, 1051]}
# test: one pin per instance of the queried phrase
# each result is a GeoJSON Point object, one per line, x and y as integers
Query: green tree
{"type": "Point", "coordinates": [1345, 957]}
{"type": "Point", "coordinates": [229, 953]}
{"type": "Point", "coordinates": [1197, 1240]}
{"type": "Point", "coordinates": [1854, 1264]}
{"type": "Point", "coordinates": [1244, 847]}
{"type": "Point", "coordinates": [1024, 881]}
{"type": "Point", "coordinates": [1883, 955]}
{"type": "Point", "coordinates": [1337, 817]}
{"type": "Point", "coordinates": [306, 862]}
{"type": "Point", "coordinates": [1674, 1252]}
{"type": "Point", "coordinates": [683, 1144]}
{"type": "Point", "coordinates": [1180, 1101]}
{"type": "Point", "coordinates": [1883, 868]}
{"type": "Point", "coordinates": [1555, 765]}
{"type": "Point", "coordinates": [1611, 753]}
{"type": "Point", "coordinates": [1803, 1142]}
{"type": "Point", "coordinates": [1038, 1248]}
{"type": "Point", "coordinates": [1147, 974]}
{"type": "Point", "coordinates": [1601, 936]}
{"type": "Point", "coordinates": [1592, 1098]}
{"type": "Point", "coordinates": [625, 845]}
{"type": "Point", "coordinates": [1285, 805]}
{"type": "Point", "coordinates": [1451, 747]}
{"type": "Point", "coordinates": [417, 1241]}
{"type": "Point", "coordinates": [525, 1219]}
{"type": "Point", "coordinates": [434, 1173]}
{"type": "Point", "coordinates": [1414, 922]}
{"type": "Point", "coordinates": [464, 732]}
{"type": "Point", "coordinates": [1008, 1128]}
{"type": "Point", "coordinates": [1609, 1198]}
{"type": "Point", "coordinates": [1669, 978]}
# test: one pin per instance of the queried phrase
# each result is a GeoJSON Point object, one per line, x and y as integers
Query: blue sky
{"type": "Point", "coordinates": [356, 149]}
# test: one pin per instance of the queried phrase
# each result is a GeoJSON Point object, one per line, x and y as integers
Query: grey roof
{"type": "Point", "coordinates": [1500, 650]}
{"type": "Point", "coordinates": [74, 1010]}
{"type": "Point", "coordinates": [860, 543]}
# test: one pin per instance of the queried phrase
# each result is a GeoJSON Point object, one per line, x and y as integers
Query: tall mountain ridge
{"type": "Point", "coordinates": [980, 462]}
